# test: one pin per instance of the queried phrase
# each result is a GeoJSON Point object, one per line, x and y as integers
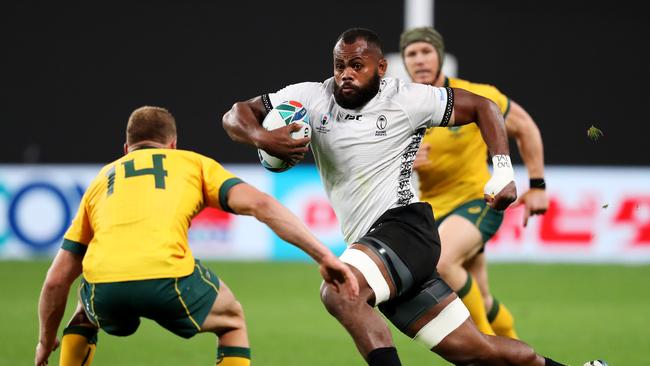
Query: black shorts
{"type": "Point", "coordinates": [410, 232]}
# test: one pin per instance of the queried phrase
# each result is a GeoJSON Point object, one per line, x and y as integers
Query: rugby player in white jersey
{"type": "Point", "coordinates": [366, 132]}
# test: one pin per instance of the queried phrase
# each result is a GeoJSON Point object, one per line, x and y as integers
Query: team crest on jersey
{"type": "Point", "coordinates": [382, 122]}
{"type": "Point", "coordinates": [455, 130]}
{"type": "Point", "coordinates": [324, 126]}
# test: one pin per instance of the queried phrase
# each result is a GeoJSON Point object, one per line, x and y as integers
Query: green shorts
{"type": "Point", "coordinates": [485, 218]}
{"type": "Point", "coordinates": [180, 305]}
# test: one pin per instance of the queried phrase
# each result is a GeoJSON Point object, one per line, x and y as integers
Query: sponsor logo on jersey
{"type": "Point", "coordinates": [353, 117]}
{"type": "Point", "coordinates": [382, 122]}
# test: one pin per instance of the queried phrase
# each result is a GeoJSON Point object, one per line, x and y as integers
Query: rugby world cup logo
{"type": "Point", "coordinates": [324, 126]}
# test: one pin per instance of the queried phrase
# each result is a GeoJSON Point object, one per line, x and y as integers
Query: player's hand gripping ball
{"type": "Point", "coordinates": [280, 116]}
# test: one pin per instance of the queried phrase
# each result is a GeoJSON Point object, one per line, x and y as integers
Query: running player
{"type": "Point", "coordinates": [367, 130]}
{"type": "Point", "coordinates": [129, 239]}
{"type": "Point", "coordinates": [455, 191]}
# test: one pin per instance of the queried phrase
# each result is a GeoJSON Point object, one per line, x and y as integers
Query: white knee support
{"type": "Point", "coordinates": [450, 318]}
{"type": "Point", "coordinates": [370, 272]}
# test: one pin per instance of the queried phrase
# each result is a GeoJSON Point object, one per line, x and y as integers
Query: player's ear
{"type": "Point", "coordinates": [382, 67]}
{"type": "Point", "coordinates": [126, 148]}
{"type": "Point", "coordinates": [172, 145]}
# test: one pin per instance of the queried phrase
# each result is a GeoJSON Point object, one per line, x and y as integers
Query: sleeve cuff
{"type": "Point", "coordinates": [267, 102]}
{"type": "Point", "coordinates": [505, 114]}
{"type": "Point", "coordinates": [449, 108]}
{"type": "Point", "coordinates": [223, 193]}
{"type": "Point", "coordinates": [74, 247]}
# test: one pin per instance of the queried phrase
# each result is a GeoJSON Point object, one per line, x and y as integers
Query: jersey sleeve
{"type": "Point", "coordinates": [425, 105]}
{"type": "Point", "coordinates": [303, 93]}
{"type": "Point", "coordinates": [501, 100]}
{"type": "Point", "coordinates": [217, 181]}
{"type": "Point", "coordinates": [494, 94]}
{"type": "Point", "coordinates": [80, 232]}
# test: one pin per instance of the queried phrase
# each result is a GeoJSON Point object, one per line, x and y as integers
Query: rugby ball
{"type": "Point", "coordinates": [281, 115]}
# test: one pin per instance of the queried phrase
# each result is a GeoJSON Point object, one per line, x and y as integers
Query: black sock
{"type": "Point", "coordinates": [384, 357]}
{"type": "Point", "coordinates": [549, 362]}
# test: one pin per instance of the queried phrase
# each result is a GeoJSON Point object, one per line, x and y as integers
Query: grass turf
{"type": "Point", "coordinates": [572, 313]}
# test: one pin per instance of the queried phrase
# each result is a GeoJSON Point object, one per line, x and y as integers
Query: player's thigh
{"type": "Point", "coordinates": [181, 305]}
{"type": "Point", "coordinates": [427, 315]}
{"type": "Point", "coordinates": [460, 240]}
{"type": "Point", "coordinates": [107, 306]}
{"type": "Point", "coordinates": [375, 282]}
{"type": "Point", "coordinates": [435, 317]}
{"type": "Point", "coordinates": [399, 252]}
{"type": "Point", "coordinates": [226, 312]}
{"type": "Point", "coordinates": [79, 317]}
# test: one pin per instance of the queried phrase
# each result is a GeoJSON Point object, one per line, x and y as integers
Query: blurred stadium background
{"type": "Point", "coordinates": [576, 278]}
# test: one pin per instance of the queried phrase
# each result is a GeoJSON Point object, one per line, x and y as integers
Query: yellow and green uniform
{"type": "Point", "coordinates": [453, 185]}
{"type": "Point", "coordinates": [131, 228]}
{"type": "Point", "coordinates": [458, 155]}
{"type": "Point", "coordinates": [134, 217]}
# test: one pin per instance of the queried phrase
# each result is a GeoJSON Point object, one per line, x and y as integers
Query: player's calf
{"type": "Point", "coordinates": [79, 341]}
{"type": "Point", "coordinates": [369, 332]}
{"type": "Point", "coordinates": [226, 319]}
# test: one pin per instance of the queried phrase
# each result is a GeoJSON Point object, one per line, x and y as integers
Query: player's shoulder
{"type": "Point", "coordinates": [409, 95]}
{"type": "Point", "coordinates": [193, 156]}
{"type": "Point", "coordinates": [482, 89]}
{"type": "Point", "coordinates": [312, 87]}
{"type": "Point", "coordinates": [390, 87]}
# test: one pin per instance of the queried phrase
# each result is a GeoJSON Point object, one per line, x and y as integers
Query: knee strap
{"type": "Point", "coordinates": [397, 269]}
{"type": "Point", "coordinates": [403, 313]}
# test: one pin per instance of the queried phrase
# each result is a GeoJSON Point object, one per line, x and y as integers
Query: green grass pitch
{"type": "Point", "coordinates": [572, 313]}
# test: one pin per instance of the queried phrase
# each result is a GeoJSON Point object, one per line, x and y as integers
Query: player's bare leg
{"type": "Point", "coordinates": [226, 320]}
{"type": "Point", "coordinates": [446, 329]}
{"type": "Point", "coordinates": [78, 344]}
{"type": "Point", "coordinates": [366, 326]}
{"type": "Point", "coordinates": [461, 240]}
{"type": "Point", "coordinates": [477, 267]}
{"type": "Point", "coordinates": [500, 318]}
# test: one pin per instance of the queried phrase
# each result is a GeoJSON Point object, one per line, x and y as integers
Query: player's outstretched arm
{"type": "Point", "coordinates": [65, 269]}
{"type": "Point", "coordinates": [522, 128]}
{"type": "Point", "coordinates": [245, 199]}
{"type": "Point", "coordinates": [243, 123]}
{"type": "Point", "coordinates": [500, 191]}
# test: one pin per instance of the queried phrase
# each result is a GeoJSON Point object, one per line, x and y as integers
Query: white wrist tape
{"type": "Point", "coordinates": [502, 175]}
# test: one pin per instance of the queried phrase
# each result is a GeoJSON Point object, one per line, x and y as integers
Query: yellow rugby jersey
{"type": "Point", "coordinates": [458, 157]}
{"type": "Point", "coordinates": [134, 217]}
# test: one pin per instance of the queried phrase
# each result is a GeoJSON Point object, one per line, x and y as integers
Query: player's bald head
{"type": "Point", "coordinates": [366, 40]}
{"type": "Point", "coordinates": [150, 123]}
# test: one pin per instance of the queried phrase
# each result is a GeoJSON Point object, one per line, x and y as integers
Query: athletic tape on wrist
{"type": "Point", "coordinates": [502, 175]}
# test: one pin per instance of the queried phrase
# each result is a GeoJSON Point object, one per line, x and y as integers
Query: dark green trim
{"type": "Point", "coordinates": [505, 114]}
{"type": "Point", "coordinates": [494, 311]}
{"type": "Point", "coordinates": [88, 332]}
{"type": "Point", "coordinates": [227, 351]}
{"type": "Point", "coordinates": [446, 82]}
{"type": "Point", "coordinates": [223, 193]}
{"type": "Point", "coordinates": [143, 147]}
{"type": "Point", "coordinates": [74, 247]}
{"type": "Point", "coordinates": [466, 287]}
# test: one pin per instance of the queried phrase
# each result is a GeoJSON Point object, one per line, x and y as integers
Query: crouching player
{"type": "Point", "coordinates": [129, 240]}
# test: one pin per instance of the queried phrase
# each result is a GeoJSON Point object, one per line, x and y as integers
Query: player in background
{"type": "Point", "coordinates": [367, 130]}
{"type": "Point", "coordinates": [455, 191]}
{"type": "Point", "coordinates": [129, 240]}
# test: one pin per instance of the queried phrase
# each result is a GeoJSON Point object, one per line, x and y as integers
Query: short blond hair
{"type": "Point", "coordinates": [150, 123]}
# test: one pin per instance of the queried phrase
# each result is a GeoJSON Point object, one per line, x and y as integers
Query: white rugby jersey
{"type": "Point", "coordinates": [365, 156]}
